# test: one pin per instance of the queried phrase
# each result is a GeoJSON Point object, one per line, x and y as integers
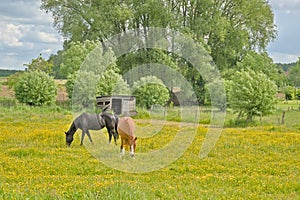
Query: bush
{"type": "Point", "coordinates": [252, 94]}
{"type": "Point", "coordinates": [35, 88]}
{"type": "Point", "coordinates": [150, 91]}
{"type": "Point", "coordinates": [289, 92]}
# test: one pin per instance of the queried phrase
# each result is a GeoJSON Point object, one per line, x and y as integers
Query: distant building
{"type": "Point", "coordinates": [120, 105]}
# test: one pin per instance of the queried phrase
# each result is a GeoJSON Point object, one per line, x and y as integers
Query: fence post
{"type": "Point", "coordinates": [282, 118]}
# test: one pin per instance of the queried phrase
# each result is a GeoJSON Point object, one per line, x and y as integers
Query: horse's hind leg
{"type": "Point", "coordinates": [109, 135]}
{"type": "Point", "coordinates": [90, 138]}
{"type": "Point", "coordinates": [115, 135]}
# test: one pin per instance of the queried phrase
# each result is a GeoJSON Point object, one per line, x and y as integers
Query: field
{"type": "Point", "coordinates": [259, 162]}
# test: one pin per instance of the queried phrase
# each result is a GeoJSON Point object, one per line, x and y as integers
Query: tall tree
{"type": "Point", "coordinates": [80, 20]}
{"type": "Point", "coordinates": [74, 56]}
{"type": "Point", "coordinates": [228, 27]}
{"type": "Point", "coordinates": [56, 59]}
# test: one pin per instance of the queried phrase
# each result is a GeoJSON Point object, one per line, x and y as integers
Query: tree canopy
{"type": "Point", "coordinates": [235, 33]}
{"type": "Point", "coordinates": [74, 56]}
{"type": "Point", "coordinates": [229, 28]}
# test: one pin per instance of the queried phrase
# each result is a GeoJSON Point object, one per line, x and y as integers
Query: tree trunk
{"type": "Point", "coordinates": [249, 117]}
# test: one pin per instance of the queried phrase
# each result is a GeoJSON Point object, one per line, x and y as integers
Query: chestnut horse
{"type": "Point", "coordinates": [126, 131]}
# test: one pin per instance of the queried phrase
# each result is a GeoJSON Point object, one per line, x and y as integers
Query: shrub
{"type": "Point", "coordinates": [150, 91]}
{"type": "Point", "coordinates": [289, 92]}
{"type": "Point", "coordinates": [35, 88]}
{"type": "Point", "coordinates": [252, 94]}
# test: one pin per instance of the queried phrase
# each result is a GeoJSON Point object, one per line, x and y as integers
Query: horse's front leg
{"type": "Point", "coordinates": [122, 150]}
{"type": "Point", "coordinates": [90, 138]}
{"type": "Point", "coordinates": [82, 137]}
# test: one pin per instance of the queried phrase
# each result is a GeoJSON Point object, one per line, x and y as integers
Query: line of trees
{"type": "Point", "coordinates": [229, 28]}
{"type": "Point", "coordinates": [234, 32]}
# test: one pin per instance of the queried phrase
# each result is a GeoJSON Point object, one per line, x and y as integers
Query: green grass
{"type": "Point", "coordinates": [206, 115]}
{"type": "Point", "coordinates": [259, 162]}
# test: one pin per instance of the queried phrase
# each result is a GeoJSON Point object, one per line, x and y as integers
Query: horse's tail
{"type": "Point", "coordinates": [116, 124]}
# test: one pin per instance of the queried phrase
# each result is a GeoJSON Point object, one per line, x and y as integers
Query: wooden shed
{"type": "Point", "coordinates": [120, 105]}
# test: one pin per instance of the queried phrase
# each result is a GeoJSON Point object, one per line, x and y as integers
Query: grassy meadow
{"type": "Point", "coordinates": [257, 162]}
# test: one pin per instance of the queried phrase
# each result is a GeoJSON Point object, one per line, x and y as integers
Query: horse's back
{"type": "Point", "coordinates": [87, 121]}
{"type": "Point", "coordinates": [126, 127]}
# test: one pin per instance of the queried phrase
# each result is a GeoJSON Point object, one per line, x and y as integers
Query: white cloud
{"type": "Point", "coordinates": [283, 57]}
{"type": "Point", "coordinates": [25, 12]}
{"type": "Point", "coordinates": [285, 4]}
{"type": "Point", "coordinates": [25, 32]}
{"type": "Point", "coordinates": [12, 62]}
{"type": "Point", "coordinates": [10, 54]}
{"type": "Point", "coordinates": [46, 37]}
{"type": "Point", "coordinates": [46, 51]}
{"type": "Point", "coordinates": [10, 35]}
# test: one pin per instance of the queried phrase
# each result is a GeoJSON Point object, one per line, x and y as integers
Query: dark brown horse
{"type": "Point", "coordinates": [87, 121]}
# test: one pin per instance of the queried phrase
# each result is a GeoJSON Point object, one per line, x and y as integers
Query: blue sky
{"type": "Point", "coordinates": [26, 31]}
{"type": "Point", "coordinates": [286, 48]}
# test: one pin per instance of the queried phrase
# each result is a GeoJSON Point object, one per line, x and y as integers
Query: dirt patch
{"type": "Point", "coordinates": [6, 92]}
{"type": "Point", "coordinates": [62, 94]}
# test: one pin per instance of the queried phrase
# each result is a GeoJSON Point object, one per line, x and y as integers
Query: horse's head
{"type": "Point", "coordinates": [132, 145]}
{"type": "Point", "coordinates": [69, 138]}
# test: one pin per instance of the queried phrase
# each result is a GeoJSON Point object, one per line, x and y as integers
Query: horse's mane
{"type": "Point", "coordinates": [105, 108]}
